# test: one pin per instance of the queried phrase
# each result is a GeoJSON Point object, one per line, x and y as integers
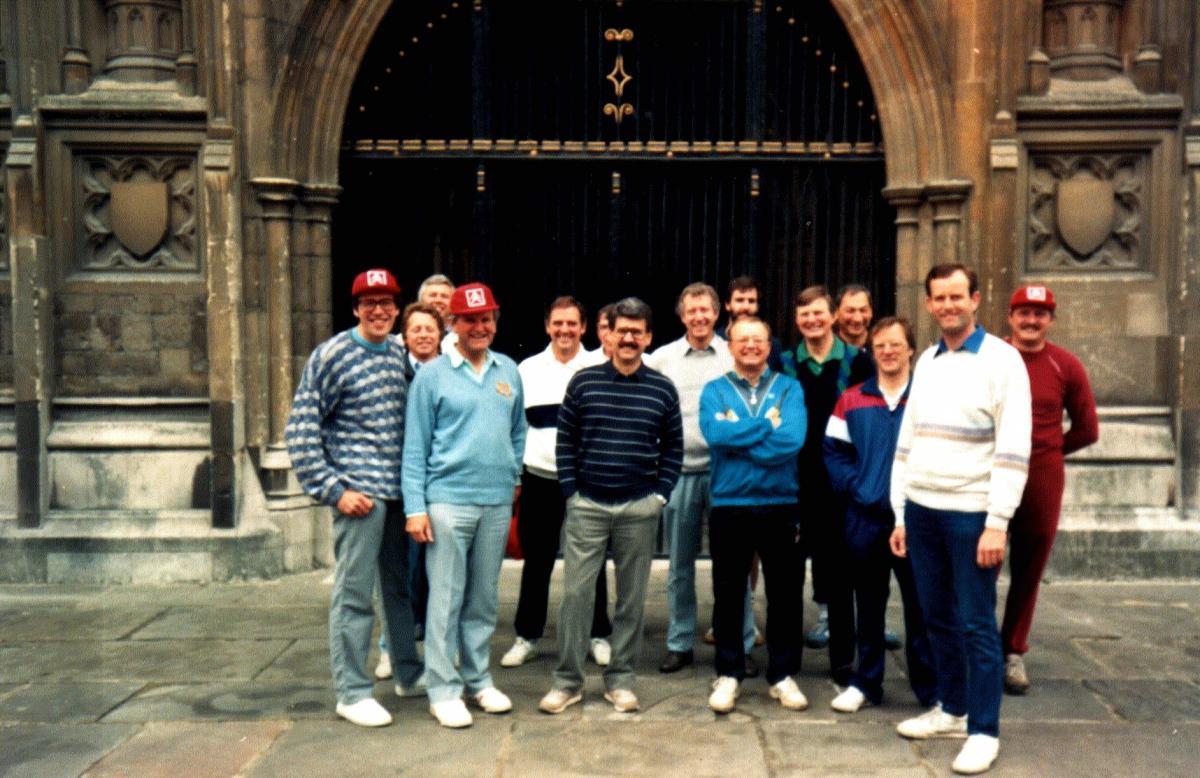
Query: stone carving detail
{"type": "Point", "coordinates": [144, 39]}
{"type": "Point", "coordinates": [139, 213]}
{"type": "Point", "coordinates": [1082, 37]}
{"type": "Point", "coordinates": [1086, 211]}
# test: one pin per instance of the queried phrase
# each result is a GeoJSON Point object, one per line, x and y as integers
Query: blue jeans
{"type": "Point", "coordinates": [958, 600]}
{"type": "Point", "coordinates": [683, 520]}
{"type": "Point", "coordinates": [358, 543]}
{"type": "Point", "coordinates": [463, 564]}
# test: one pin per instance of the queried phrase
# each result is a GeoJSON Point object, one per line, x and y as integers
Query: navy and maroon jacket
{"type": "Point", "coordinates": [860, 443]}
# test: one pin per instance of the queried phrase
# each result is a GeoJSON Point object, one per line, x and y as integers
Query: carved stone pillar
{"type": "Point", "coordinates": [221, 209]}
{"type": "Point", "coordinates": [907, 201]}
{"type": "Point", "coordinates": [1188, 400]}
{"type": "Point", "coordinates": [948, 199]}
{"type": "Point", "coordinates": [32, 325]}
{"type": "Point", "coordinates": [318, 277]}
{"type": "Point", "coordinates": [145, 38]}
{"type": "Point", "coordinates": [76, 65]}
{"type": "Point", "coordinates": [277, 196]}
{"type": "Point", "coordinates": [1081, 38]}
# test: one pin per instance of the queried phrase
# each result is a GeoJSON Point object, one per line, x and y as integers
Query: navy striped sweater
{"type": "Point", "coordinates": [619, 437]}
{"type": "Point", "coordinates": [346, 428]}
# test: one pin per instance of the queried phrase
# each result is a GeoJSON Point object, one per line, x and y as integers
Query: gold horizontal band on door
{"type": "Point", "coordinates": [501, 146]}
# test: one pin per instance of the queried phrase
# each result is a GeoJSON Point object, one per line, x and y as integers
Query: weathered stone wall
{"type": "Point", "coordinates": [116, 343]}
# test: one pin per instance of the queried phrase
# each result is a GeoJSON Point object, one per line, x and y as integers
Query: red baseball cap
{"type": "Point", "coordinates": [472, 298]}
{"type": "Point", "coordinates": [1033, 296]}
{"type": "Point", "coordinates": [374, 282]}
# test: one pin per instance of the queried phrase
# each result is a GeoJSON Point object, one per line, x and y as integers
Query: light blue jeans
{"type": "Point", "coordinates": [463, 564]}
{"type": "Point", "coordinates": [683, 520]}
{"type": "Point", "coordinates": [357, 545]}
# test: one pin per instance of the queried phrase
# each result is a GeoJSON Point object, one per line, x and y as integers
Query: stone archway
{"type": "Point", "coordinates": [896, 40]}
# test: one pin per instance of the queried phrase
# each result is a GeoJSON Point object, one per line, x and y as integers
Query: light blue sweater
{"type": "Point", "coordinates": [464, 438]}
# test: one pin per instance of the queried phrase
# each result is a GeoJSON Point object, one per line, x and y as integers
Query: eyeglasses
{"type": "Point", "coordinates": [383, 305]}
{"type": "Point", "coordinates": [750, 340]}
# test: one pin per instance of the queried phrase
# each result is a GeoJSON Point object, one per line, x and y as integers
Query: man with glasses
{"type": "Point", "coordinates": [344, 436]}
{"type": "Point", "coordinates": [620, 448]}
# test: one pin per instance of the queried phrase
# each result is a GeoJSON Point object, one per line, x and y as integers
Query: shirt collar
{"type": "Point", "coordinates": [838, 351]}
{"type": "Point", "coordinates": [972, 344]}
{"type": "Point", "coordinates": [763, 379]}
{"type": "Point", "coordinates": [613, 374]}
{"type": "Point", "coordinates": [574, 362]}
{"type": "Point", "coordinates": [357, 337]}
{"type": "Point", "coordinates": [457, 360]}
{"type": "Point", "coordinates": [711, 348]}
{"type": "Point", "coordinates": [871, 386]}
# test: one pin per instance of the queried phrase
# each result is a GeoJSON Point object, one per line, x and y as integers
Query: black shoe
{"type": "Point", "coordinates": [842, 675]}
{"type": "Point", "coordinates": [675, 661]}
{"type": "Point", "coordinates": [751, 668]}
{"type": "Point", "coordinates": [891, 641]}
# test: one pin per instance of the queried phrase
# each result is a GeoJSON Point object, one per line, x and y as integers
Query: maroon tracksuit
{"type": "Point", "coordinates": [1058, 380]}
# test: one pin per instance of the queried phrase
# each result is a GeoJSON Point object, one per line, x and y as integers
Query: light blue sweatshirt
{"type": "Point", "coordinates": [464, 435]}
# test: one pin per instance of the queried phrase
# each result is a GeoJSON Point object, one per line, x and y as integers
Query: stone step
{"type": "Point", "coordinates": [138, 546]}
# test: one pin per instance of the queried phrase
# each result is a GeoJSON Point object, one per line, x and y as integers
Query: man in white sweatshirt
{"type": "Point", "coordinates": [960, 468]}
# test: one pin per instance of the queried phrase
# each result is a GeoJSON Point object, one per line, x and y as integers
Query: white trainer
{"type": "Point", "coordinates": [933, 723]}
{"type": "Point", "coordinates": [452, 714]}
{"type": "Point", "coordinates": [492, 700]}
{"type": "Point", "coordinates": [851, 700]}
{"type": "Point", "coordinates": [601, 651]}
{"type": "Point", "coordinates": [978, 755]}
{"type": "Point", "coordinates": [558, 700]}
{"type": "Point", "coordinates": [365, 713]}
{"type": "Point", "coordinates": [724, 694]}
{"type": "Point", "coordinates": [789, 694]}
{"type": "Point", "coordinates": [521, 652]}
{"type": "Point", "coordinates": [624, 700]}
{"type": "Point", "coordinates": [383, 670]}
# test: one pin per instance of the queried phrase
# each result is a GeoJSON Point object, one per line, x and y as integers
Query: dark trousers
{"type": "Point", "coordinates": [871, 566]}
{"type": "Point", "coordinates": [735, 533]}
{"type": "Point", "coordinates": [823, 522]}
{"type": "Point", "coordinates": [1030, 538]}
{"type": "Point", "coordinates": [958, 601]}
{"type": "Point", "coordinates": [540, 530]}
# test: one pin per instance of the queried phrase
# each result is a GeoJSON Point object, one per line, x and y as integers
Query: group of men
{"type": "Point", "coordinates": [834, 450]}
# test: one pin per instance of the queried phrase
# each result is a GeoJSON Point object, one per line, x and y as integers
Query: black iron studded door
{"type": "Point", "coordinates": [604, 148]}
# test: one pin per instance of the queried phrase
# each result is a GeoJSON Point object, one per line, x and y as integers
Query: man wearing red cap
{"type": "Point", "coordinates": [1058, 381]}
{"type": "Point", "coordinates": [344, 436]}
{"type": "Point", "coordinates": [463, 452]}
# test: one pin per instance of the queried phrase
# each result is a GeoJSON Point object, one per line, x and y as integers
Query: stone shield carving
{"type": "Point", "coordinates": [1084, 210]}
{"type": "Point", "coordinates": [139, 214]}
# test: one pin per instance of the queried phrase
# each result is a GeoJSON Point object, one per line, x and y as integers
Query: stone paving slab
{"type": "Point", "coordinates": [68, 623]}
{"type": "Point", "coordinates": [420, 748]}
{"type": "Point", "coordinates": [1056, 700]}
{"type": "Point", "coordinates": [1150, 700]}
{"type": "Point", "coordinates": [65, 702]}
{"type": "Point", "coordinates": [243, 622]}
{"type": "Point", "coordinates": [240, 701]}
{"type": "Point", "coordinates": [305, 659]}
{"type": "Point", "coordinates": [148, 660]}
{"type": "Point", "coordinates": [41, 750]}
{"type": "Point", "coordinates": [172, 749]}
{"type": "Point", "coordinates": [827, 749]}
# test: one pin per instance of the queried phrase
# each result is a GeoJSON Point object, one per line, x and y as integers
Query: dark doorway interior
{"type": "Point", "coordinates": [484, 151]}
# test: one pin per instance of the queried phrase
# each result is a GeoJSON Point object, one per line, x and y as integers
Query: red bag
{"type": "Point", "coordinates": [512, 549]}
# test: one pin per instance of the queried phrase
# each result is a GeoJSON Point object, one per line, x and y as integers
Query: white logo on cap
{"type": "Point", "coordinates": [1036, 293]}
{"type": "Point", "coordinates": [376, 278]}
{"type": "Point", "coordinates": [475, 298]}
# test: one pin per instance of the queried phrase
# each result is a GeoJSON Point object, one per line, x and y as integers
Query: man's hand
{"type": "Point", "coordinates": [898, 542]}
{"type": "Point", "coordinates": [353, 503]}
{"type": "Point", "coordinates": [990, 552]}
{"type": "Point", "coordinates": [774, 417]}
{"type": "Point", "coordinates": [418, 528]}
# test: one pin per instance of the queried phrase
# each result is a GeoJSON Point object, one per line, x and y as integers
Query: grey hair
{"type": "Point", "coordinates": [633, 308]}
{"type": "Point", "coordinates": [437, 279]}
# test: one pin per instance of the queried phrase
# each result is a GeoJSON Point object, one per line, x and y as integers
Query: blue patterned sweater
{"type": "Point", "coordinates": [346, 428]}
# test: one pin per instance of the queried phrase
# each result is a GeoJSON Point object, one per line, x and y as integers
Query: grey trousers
{"type": "Point", "coordinates": [587, 530]}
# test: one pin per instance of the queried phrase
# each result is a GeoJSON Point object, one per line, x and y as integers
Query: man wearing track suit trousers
{"type": "Point", "coordinates": [860, 442]}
